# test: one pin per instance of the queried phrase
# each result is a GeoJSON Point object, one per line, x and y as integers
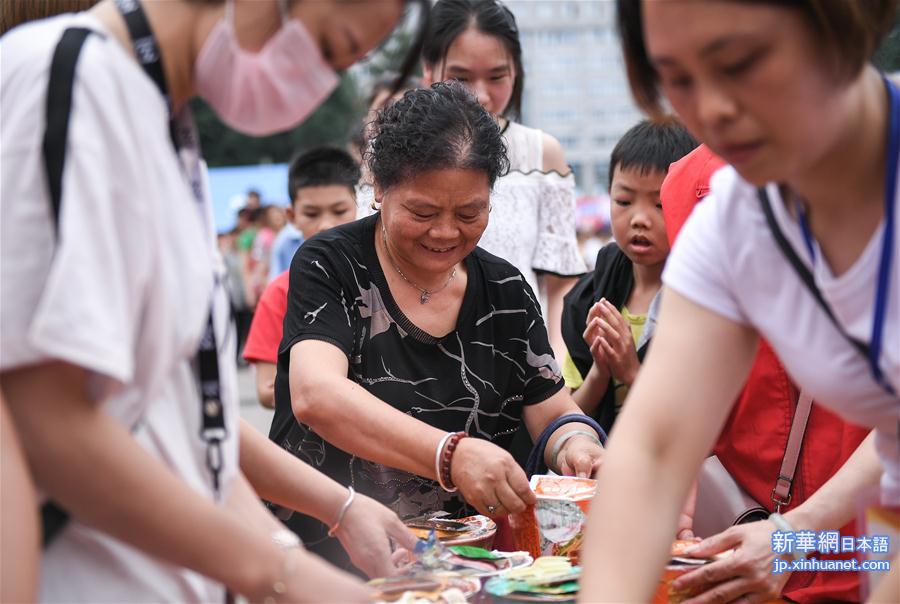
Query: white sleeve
{"type": "Point", "coordinates": [77, 298]}
{"type": "Point", "coordinates": [698, 266]}
{"type": "Point", "coordinates": [557, 244]}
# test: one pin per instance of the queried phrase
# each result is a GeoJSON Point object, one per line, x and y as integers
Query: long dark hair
{"type": "Point", "coordinates": [450, 18]}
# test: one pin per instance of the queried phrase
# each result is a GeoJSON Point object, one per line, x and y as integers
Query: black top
{"type": "Point", "coordinates": [475, 379]}
{"type": "Point", "coordinates": [613, 279]}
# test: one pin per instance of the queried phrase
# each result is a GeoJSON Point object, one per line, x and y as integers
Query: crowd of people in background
{"type": "Point", "coordinates": [426, 314]}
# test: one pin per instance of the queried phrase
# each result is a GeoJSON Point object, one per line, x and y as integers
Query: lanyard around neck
{"type": "Point", "coordinates": [882, 285]}
{"type": "Point", "coordinates": [213, 430]}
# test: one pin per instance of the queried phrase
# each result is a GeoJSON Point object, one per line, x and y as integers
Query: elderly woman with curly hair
{"type": "Point", "coordinates": [402, 338]}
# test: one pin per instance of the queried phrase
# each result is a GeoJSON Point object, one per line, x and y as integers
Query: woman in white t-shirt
{"type": "Point", "coordinates": [786, 95]}
{"type": "Point", "coordinates": [106, 303]}
{"type": "Point", "coordinates": [532, 222]}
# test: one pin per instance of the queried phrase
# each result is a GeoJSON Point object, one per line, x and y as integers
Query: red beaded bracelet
{"type": "Point", "coordinates": [446, 456]}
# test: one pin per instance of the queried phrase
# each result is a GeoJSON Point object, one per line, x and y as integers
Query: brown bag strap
{"type": "Point", "coordinates": [781, 494]}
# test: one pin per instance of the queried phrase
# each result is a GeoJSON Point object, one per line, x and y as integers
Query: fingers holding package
{"type": "Point", "coordinates": [746, 573]}
{"type": "Point", "coordinates": [489, 478]}
{"type": "Point", "coordinates": [580, 456]}
{"type": "Point", "coordinates": [366, 532]}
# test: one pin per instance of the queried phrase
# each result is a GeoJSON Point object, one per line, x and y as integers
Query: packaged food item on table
{"type": "Point", "coordinates": [478, 531]}
{"type": "Point", "coordinates": [678, 565]}
{"type": "Point", "coordinates": [554, 526]}
{"type": "Point", "coordinates": [436, 588]}
{"type": "Point", "coordinates": [433, 556]}
{"type": "Point", "coordinates": [549, 579]}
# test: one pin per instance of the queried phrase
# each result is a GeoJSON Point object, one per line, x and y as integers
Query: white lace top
{"type": "Point", "coordinates": [532, 222]}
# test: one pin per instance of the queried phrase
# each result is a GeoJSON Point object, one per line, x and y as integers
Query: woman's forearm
{"type": "Point", "coordinates": [538, 417]}
{"type": "Point", "coordinates": [94, 468]}
{"type": "Point", "coordinates": [349, 417]}
{"type": "Point", "coordinates": [20, 541]}
{"type": "Point", "coordinates": [245, 503]}
{"type": "Point", "coordinates": [646, 498]}
{"type": "Point", "coordinates": [672, 414]}
{"type": "Point", "coordinates": [592, 390]}
{"type": "Point", "coordinates": [556, 288]}
{"type": "Point", "coordinates": [834, 504]}
{"type": "Point", "coordinates": [281, 478]}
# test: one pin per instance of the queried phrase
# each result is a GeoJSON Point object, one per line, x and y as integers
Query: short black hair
{"type": "Point", "coordinates": [651, 145]}
{"type": "Point", "coordinates": [450, 18]}
{"type": "Point", "coordinates": [320, 167]}
{"type": "Point", "coordinates": [435, 128]}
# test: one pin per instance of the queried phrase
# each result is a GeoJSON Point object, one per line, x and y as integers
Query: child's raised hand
{"type": "Point", "coordinates": [592, 335]}
{"type": "Point", "coordinates": [613, 335]}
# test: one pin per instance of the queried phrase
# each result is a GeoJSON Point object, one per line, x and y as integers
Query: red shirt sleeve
{"type": "Point", "coordinates": [268, 320]}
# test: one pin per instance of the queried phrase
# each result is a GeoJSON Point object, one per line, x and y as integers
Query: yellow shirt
{"type": "Point", "coordinates": [636, 322]}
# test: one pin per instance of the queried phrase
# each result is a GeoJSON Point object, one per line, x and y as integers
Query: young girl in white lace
{"type": "Point", "coordinates": [532, 223]}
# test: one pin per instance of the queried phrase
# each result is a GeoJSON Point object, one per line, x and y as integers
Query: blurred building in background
{"type": "Point", "coordinates": [575, 83]}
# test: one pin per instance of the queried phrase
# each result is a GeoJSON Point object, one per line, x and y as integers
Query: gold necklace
{"type": "Point", "coordinates": [425, 294]}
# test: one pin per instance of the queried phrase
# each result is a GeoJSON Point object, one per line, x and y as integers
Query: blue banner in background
{"type": "Point", "coordinates": [228, 187]}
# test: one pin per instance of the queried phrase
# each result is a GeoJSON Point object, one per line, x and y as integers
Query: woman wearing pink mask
{"type": "Point", "coordinates": [116, 346]}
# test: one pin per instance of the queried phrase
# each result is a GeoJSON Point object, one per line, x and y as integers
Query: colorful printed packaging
{"type": "Point", "coordinates": [555, 525]}
{"type": "Point", "coordinates": [678, 565]}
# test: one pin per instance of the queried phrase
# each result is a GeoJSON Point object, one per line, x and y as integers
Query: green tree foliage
{"type": "Point", "coordinates": [330, 124]}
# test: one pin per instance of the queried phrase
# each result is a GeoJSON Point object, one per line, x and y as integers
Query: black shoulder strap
{"type": "Point", "coordinates": [59, 105]}
{"type": "Point", "coordinates": [803, 272]}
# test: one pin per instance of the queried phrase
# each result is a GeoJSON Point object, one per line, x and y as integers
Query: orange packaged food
{"type": "Point", "coordinates": [555, 525]}
{"type": "Point", "coordinates": [679, 565]}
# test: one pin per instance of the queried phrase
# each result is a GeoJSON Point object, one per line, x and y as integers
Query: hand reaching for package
{"type": "Point", "coordinates": [366, 532]}
{"type": "Point", "coordinates": [489, 478]}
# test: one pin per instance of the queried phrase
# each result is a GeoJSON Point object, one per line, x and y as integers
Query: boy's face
{"type": "Point", "coordinates": [636, 212]}
{"type": "Point", "coordinates": [316, 209]}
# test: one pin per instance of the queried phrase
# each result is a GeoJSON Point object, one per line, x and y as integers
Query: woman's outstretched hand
{"type": "Point", "coordinates": [580, 456]}
{"type": "Point", "coordinates": [489, 478]}
{"type": "Point", "coordinates": [366, 532]}
{"type": "Point", "coordinates": [745, 575]}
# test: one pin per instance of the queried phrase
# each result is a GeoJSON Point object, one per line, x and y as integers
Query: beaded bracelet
{"type": "Point", "coordinates": [446, 457]}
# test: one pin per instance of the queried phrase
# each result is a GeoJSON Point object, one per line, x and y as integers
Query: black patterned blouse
{"type": "Point", "coordinates": [477, 378]}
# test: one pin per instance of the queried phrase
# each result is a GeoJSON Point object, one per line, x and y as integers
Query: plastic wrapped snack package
{"type": "Point", "coordinates": [678, 565]}
{"type": "Point", "coordinates": [555, 525]}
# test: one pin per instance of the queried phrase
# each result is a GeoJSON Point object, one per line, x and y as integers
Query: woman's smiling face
{"type": "Point", "coordinates": [433, 220]}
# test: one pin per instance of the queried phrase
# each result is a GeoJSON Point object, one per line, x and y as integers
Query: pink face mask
{"type": "Point", "coordinates": [267, 91]}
